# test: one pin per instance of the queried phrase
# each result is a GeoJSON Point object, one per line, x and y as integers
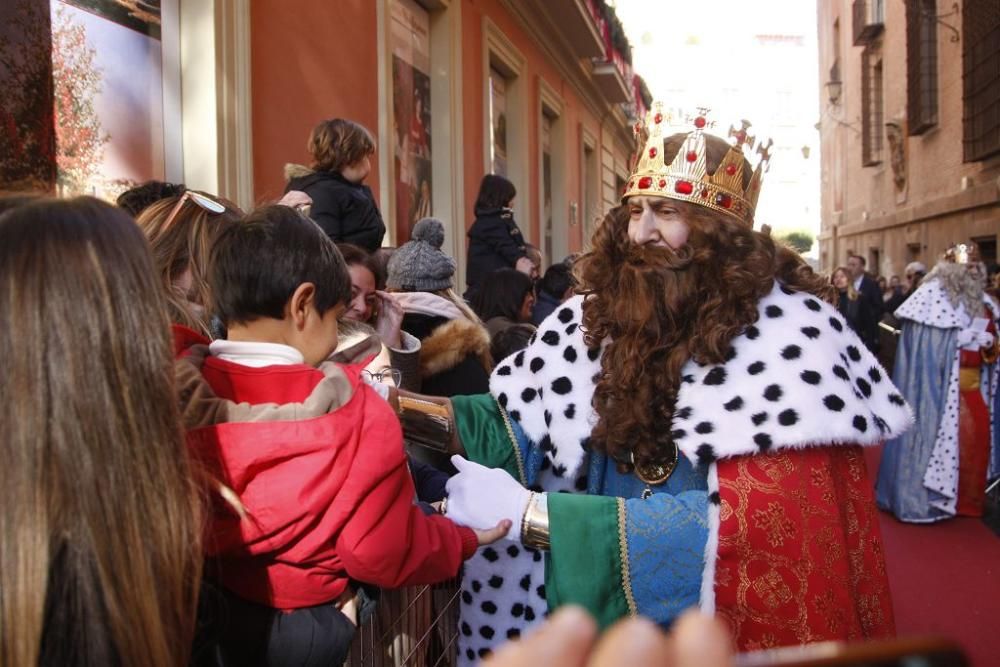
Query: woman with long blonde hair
{"type": "Point", "coordinates": [853, 307]}
{"type": "Point", "coordinates": [100, 535]}
{"type": "Point", "coordinates": [181, 232]}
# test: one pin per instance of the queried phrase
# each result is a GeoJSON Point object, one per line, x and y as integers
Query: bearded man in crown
{"type": "Point", "coordinates": [946, 365]}
{"type": "Point", "coordinates": [687, 430]}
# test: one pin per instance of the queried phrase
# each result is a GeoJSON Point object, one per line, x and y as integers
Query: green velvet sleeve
{"type": "Point", "coordinates": [486, 435]}
{"type": "Point", "coordinates": [584, 563]}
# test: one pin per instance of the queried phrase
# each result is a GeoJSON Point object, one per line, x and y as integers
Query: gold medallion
{"type": "Point", "coordinates": [655, 473]}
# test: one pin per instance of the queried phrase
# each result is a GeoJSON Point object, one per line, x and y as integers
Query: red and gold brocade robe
{"type": "Point", "coordinates": [800, 553]}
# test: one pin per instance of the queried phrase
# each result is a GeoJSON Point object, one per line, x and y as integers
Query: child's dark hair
{"type": "Point", "coordinates": [510, 340]}
{"type": "Point", "coordinates": [557, 279]}
{"type": "Point", "coordinates": [502, 294]}
{"type": "Point", "coordinates": [136, 200]}
{"type": "Point", "coordinates": [258, 264]}
{"type": "Point", "coordinates": [495, 192]}
{"type": "Point", "coordinates": [338, 143]}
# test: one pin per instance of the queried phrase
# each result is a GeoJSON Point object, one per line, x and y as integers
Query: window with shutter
{"type": "Point", "coordinates": [921, 65]}
{"type": "Point", "coordinates": [871, 107]}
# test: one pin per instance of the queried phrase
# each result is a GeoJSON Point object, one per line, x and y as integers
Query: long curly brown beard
{"type": "Point", "coordinates": [659, 308]}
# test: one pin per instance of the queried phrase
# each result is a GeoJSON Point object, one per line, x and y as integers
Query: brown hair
{"type": "Point", "coordinates": [338, 143]}
{"type": "Point", "coordinates": [185, 244]}
{"type": "Point", "coordinates": [660, 308]}
{"type": "Point", "coordinates": [100, 536]}
{"type": "Point", "coordinates": [356, 256]}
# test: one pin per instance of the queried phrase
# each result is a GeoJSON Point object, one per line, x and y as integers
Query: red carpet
{"type": "Point", "coordinates": [945, 580]}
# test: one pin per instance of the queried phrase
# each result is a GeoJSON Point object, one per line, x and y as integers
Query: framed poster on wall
{"type": "Point", "coordinates": [411, 117]}
{"type": "Point", "coordinates": [498, 122]}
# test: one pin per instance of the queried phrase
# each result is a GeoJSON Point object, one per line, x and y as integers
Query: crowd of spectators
{"type": "Point", "coordinates": [204, 462]}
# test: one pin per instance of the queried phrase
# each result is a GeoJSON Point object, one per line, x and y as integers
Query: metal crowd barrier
{"type": "Point", "coordinates": [416, 626]}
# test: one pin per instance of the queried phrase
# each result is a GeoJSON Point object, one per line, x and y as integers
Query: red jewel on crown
{"type": "Point", "coordinates": [691, 156]}
{"type": "Point", "coordinates": [704, 193]}
{"type": "Point", "coordinates": [725, 201]}
{"type": "Point", "coordinates": [645, 182]}
{"type": "Point", "coordinates": [662, 183]}
{"type": "Point", "coordinates": [684, 187]}
{"type": "Point", "coordinates": [699, 122]}
{"type": "Point", "coordinates": [731, 169]}
{"type": "Point", "coordinates": [652, 152]}
{"type": "Point", "coordinates": [658, 118]}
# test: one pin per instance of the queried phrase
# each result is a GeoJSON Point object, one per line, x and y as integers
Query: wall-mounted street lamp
{"type": "Point", "coordinates": [834, 89]}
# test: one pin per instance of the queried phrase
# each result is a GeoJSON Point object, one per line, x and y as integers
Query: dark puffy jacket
{"type": "Point", "coordinates": [346, 211]}
{"type": "Point", "coordinates": [495, 242]}
{"type": "Point", "coordinates": [454, 355]}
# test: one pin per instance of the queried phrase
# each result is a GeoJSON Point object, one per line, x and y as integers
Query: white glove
{"type": "Point", "coordinates": [966, 337]}
{"type": "Point", "coordinates": [974, 338]}
{"type": "Point", "coordinates": [481, 497]}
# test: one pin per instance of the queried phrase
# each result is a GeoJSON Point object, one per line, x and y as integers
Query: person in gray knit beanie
{"type": "Point", "coordinates": [419, 265]}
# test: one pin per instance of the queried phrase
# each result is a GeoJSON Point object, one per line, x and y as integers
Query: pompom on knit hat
{"type": "Point", "coordinates": [419, 265]}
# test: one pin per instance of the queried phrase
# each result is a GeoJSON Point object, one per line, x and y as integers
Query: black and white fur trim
{"type": "Point", "coordinates": [707, 602]}
{"type": "Point", "coordinates": [548, 387]}
{"type": "Point", "coordinates": [799, 377]}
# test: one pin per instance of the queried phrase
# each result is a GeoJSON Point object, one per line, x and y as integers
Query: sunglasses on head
{"type": "Point", "coordinates": [203, 202]}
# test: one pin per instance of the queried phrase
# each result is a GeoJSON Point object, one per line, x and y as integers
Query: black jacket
{"type": "Point", "coordinates": [495, 242]}
{"type": "Point", "coordinates": [346, 211]}
{"type": "Point", "coordinates": [859, 316]}
{"type": "Point", "coordinates": [895, 301]}
{"type": "Point", "coordinates": [873, 295]}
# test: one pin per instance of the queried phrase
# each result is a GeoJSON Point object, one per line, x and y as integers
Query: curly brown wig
{"type": "Point", "coordinates": [654, 308]}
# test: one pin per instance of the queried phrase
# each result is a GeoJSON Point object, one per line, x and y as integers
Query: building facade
{"type": "Point", "coordinates": [910, 130]}
{"type": "Point", "coordinates": [454, 89]}
{"type": "Point", "coordinates": [225, 93]}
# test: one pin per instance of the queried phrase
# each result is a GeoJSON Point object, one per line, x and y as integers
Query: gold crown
{"type": "Point", "coordinates": [961, 253]}
{"type": "Point", "coordinates": [687, 178]}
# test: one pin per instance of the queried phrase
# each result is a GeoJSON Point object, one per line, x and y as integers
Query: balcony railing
{"type": "Point", "coordinates": [869, 20]}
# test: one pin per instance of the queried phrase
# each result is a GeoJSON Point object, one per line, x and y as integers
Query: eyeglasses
{"type": "Point", "coordinates": [391, 376]}
{"type": "Point", "coordinates": [202, 201]}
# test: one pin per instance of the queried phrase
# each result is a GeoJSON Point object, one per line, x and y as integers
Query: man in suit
{"type": "Point", "coordinates": [868, 289]}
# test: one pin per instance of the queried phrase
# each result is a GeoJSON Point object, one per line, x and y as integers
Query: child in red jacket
{"type": "Point", "coordinates": [311, 458]}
